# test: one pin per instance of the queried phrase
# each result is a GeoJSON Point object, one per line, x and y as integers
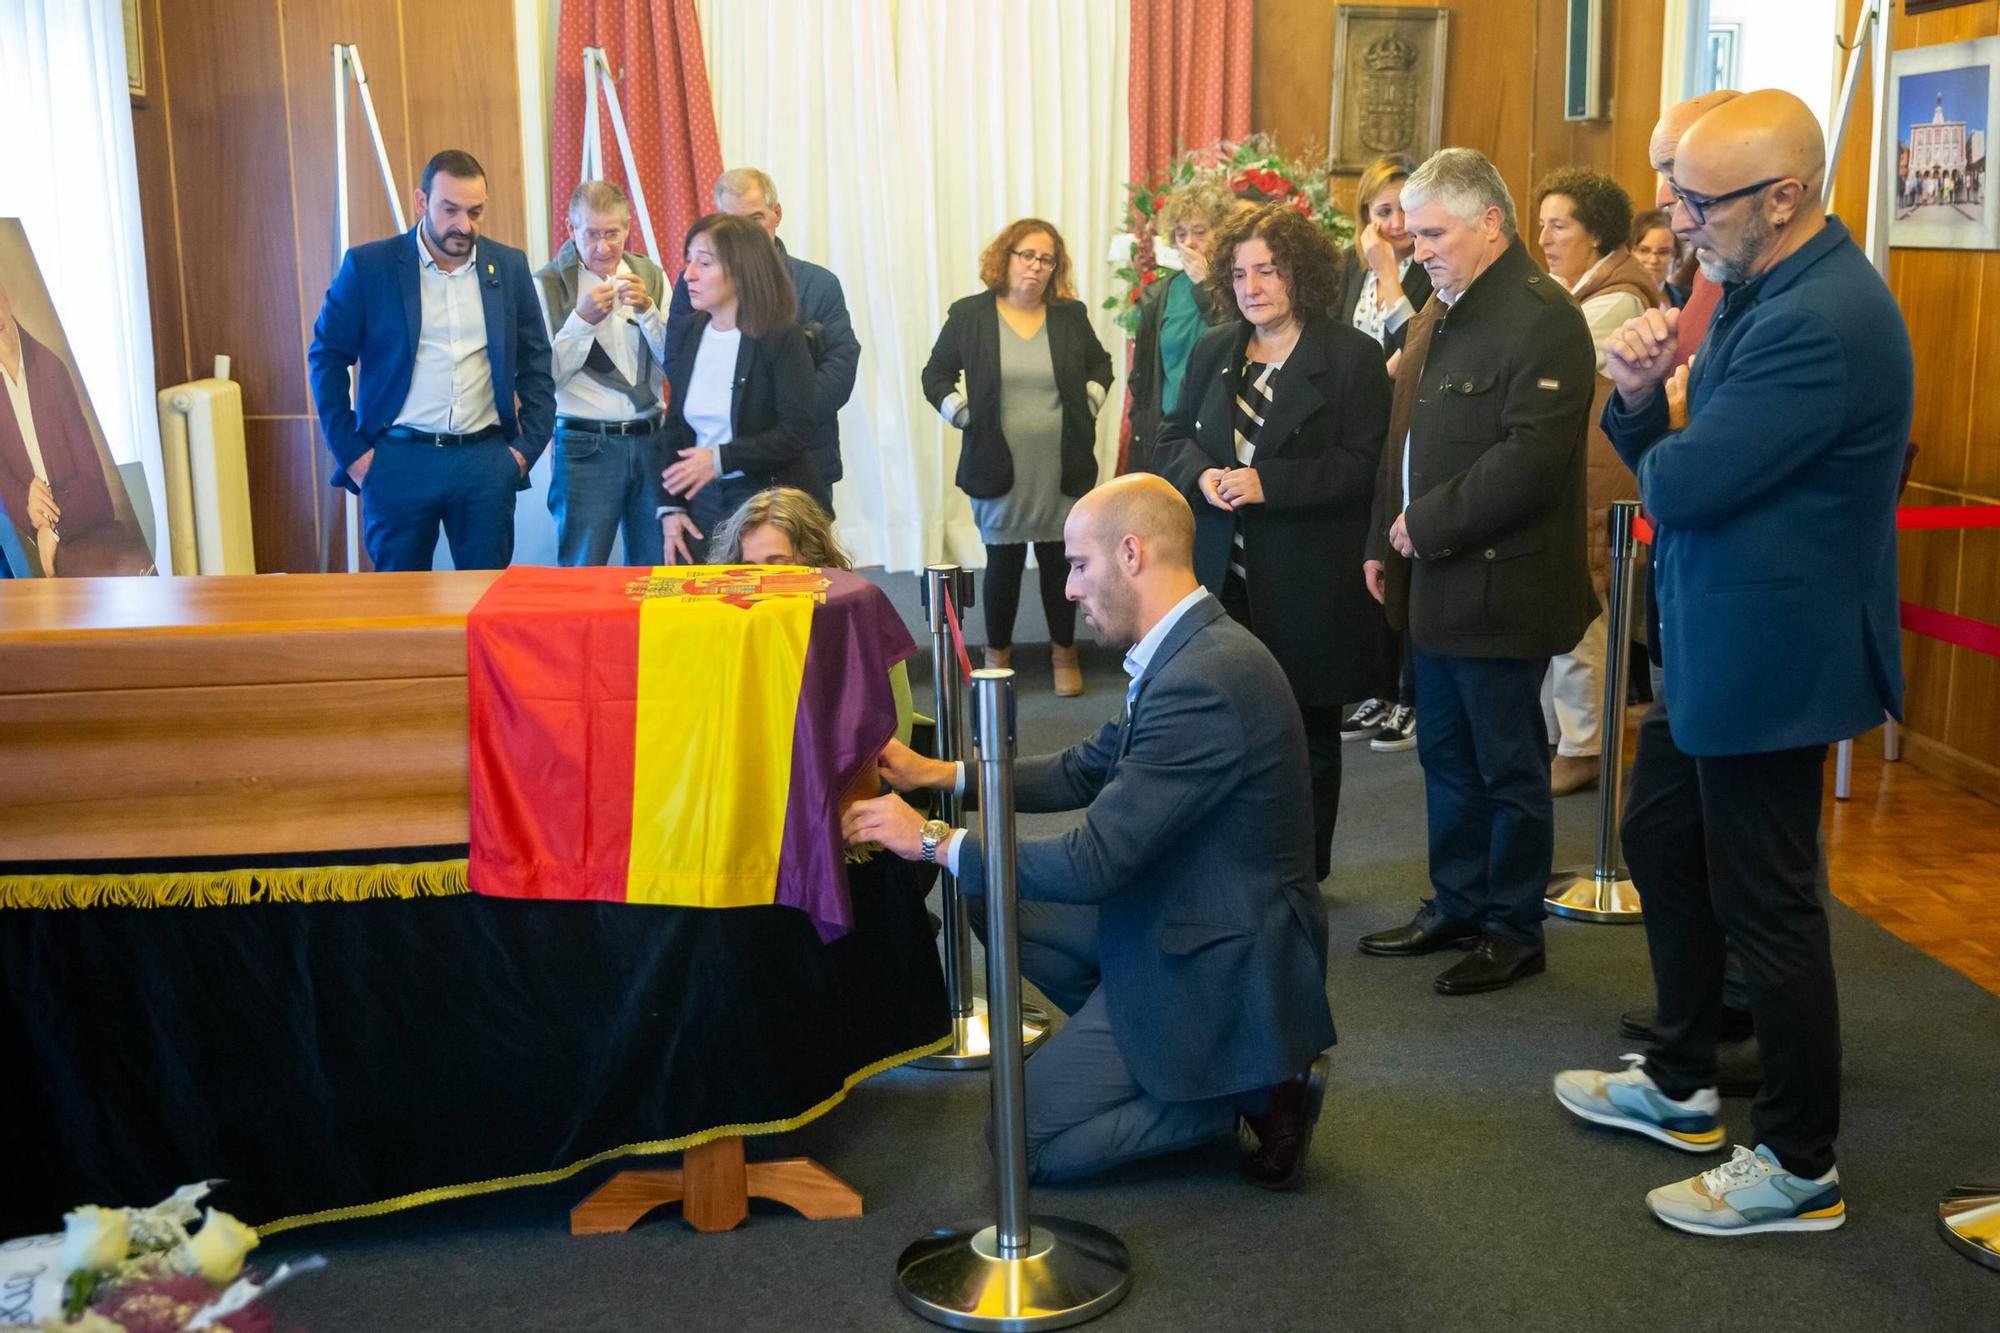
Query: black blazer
{"type": "Point", "coordinates": [1317, 456]}
{"type": "Point", "coordinates": [1499, 412]}
{"type": "Point", "coordinates": [1148, 378]}
{"type": "Point", "coordinates": [1353, 273]}
{"type": "Point", "coordinates": [969, 343]}
{"type": "Point", "coordinates": [771, 405]}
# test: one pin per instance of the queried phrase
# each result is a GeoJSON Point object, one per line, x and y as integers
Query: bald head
{"type": "Point", "coordinates": [1674, 123]}
{"type": "Point", "coordinates": [1769, 133]}
{"type": "Point", "coordinates": [1144, 506]}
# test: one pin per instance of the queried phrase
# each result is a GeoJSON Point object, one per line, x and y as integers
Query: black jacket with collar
{"type": "Point", "coordinates": [1498, 422]}
{"type": "Point", "coordinates": [969, 343]}
{"type": "Point", "coordinates": [1317, 457]}
{"type": "Point", "coordinates": [771, 405]}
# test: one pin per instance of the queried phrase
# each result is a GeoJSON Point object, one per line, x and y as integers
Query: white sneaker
{"type": "Point", "coordinates": [1750, 1194]}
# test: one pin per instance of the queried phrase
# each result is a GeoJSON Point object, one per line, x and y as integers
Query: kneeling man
{"type": "Point", "coordinates": [1179, 926]}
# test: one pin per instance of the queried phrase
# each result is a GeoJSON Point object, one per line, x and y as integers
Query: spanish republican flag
{"type": "Point", "coordinates": [676, 736]}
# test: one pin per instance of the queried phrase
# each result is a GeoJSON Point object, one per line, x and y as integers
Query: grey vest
{"type": "Point", "coordinates": [559, 282]}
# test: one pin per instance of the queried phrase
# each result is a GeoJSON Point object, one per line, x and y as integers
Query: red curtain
{"type": "Point", "coordinates": [654, 47]}
{"type": "Point", "coordinates": [1189, 83]}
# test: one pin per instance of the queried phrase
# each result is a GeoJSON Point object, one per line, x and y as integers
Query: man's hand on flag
{"type": "Point", "coordinates": [887, 820]}
{"type": "Point", "coordinates": [906, 770]}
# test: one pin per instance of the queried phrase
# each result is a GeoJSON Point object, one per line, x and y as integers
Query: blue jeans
{"type": "Point", "coordinates": [412, 488]}
{"type": "Point", "coordinates": [598, 483]}
{"type": "Point", "coordinates": [1483, 744]}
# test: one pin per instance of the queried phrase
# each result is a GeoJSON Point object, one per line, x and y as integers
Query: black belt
{"type": "Point", "coordinates": [404, 435]}
{"type": "Point", "coordinates": [642, 426]}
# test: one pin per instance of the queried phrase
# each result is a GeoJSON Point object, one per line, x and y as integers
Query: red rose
{"type": "Point", "coordinates": [1285, 186]}
{"type": "Point", "coordinates": [1267, 181]}
{"type": "Point", "coordinates": [1242, 183]}
{"type": "Point", "coordinates": [1158, 199]}
{"type": "Point", "coordinates": [1147, 278]}
{"type": "Point", "coordinates": [1303, 206]}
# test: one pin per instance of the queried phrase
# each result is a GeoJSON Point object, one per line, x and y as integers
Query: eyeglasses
{"type": "Point", "coordinates": [1033, 260]}
{"type": "Point", "coordinates": [1698, 205]}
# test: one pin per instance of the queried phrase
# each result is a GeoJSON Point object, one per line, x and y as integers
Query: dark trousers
{"type": "Point", "coordinates": [412, 488]}
{"type": "Point", "coordinates": [1000, 590]}
{"type": "Point", "coordinates": [1725, 852]}
{"type": "Point", "coordinates": [1484, 747]}
{"type": "Point", "coordinates": [713, 504]}
{"type": "Point", "coordinates": [598, 484]}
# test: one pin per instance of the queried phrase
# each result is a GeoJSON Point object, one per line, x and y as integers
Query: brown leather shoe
{"type": "Point", "coordinates": [999, 659]}
{"type": "Point", "coordinates": [1069, 675]}
{"type": "Point", "coordinates": [1573, 773]}
{"type": "Point", "coordinates": [1284, 1131]}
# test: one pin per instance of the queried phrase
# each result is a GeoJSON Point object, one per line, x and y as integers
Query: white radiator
{"type": "Point", "coordinates": [208, 482]}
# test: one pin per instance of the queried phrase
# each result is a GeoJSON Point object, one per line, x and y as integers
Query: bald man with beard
{"type": "Point", "coordinates": [1775, 544]}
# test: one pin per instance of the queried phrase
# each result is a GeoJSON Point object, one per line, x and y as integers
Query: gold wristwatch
{"type": "Point", "coordinates": [935, 832]}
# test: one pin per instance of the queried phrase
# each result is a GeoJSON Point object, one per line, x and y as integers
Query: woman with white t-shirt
{"type": "Point", "coordinates": [740, 381]}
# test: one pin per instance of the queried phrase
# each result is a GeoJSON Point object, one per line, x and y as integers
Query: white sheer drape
{"type": "Point", "coordinates": [903, 134]}
{"type": "Point", "coordinates": [67, 170]}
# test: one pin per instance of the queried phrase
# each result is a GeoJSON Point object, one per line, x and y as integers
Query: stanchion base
{"type": "Point", "coordinates": [1969, 1217]}
{"type": "Point", "coordinates": [1583, 895]}
{"type": "Point", "coordinates": [971, 1045]}
{"type": "Point", "coordinates": [1071, 1272]}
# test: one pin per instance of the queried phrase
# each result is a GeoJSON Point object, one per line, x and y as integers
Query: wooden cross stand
{"type": "Point", "coordinates": [714, 1188]}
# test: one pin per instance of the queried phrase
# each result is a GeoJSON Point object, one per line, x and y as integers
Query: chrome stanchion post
{"type": "Point", "coordinates": [1023, 1272]}
{"type": "Point", "coordinates": [948, 588]}
{"type": "Point", "coordinates": [1604, 891]}
{"type": "Point", "coordinates": [1969, 1218]}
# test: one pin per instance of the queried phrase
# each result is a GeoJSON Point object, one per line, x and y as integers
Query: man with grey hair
{"type": "Point", "coordinates": [607, 347]}
{"type": "Point", "coordinates": [748, 192]}
{"type": "Point", "coordinates": [1477, 545]}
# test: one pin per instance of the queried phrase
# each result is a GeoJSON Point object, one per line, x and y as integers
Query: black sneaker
{"type": "Point", "coordinates": [1366, 719]}
{"type": "Point", "coordinates": [1398, 731]}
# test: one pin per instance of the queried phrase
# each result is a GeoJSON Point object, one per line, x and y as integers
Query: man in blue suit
{"type": "Point", "coordinates": [1774, 509]}
{"type": "Point", "coordinates": [748, 192]}
{"type": "Point", "coordinates": [1179, 926]}
{"type": "Point", "coordinates": [455, 400]}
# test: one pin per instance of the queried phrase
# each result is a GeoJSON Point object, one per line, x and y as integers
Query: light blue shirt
{"type": "Point", "coordinates": [1137, 658]}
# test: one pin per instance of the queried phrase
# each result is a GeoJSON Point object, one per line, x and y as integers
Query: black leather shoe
{"type": "Point", "coordinates": [1284, 1131]}
{"type": "Point", "coordinates": [1735, 1025]}
{"type": "Point", "coordinates": [1496, 963]}
{"type": "Point", "coordinates": [1425, 934]}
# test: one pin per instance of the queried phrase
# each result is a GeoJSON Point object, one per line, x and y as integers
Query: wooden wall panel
{"type": "Point", "coordinates": [1974, 725]}
{"type": "Point", "coordinates": [287, 471]}
{"type": "Point", "coordinates": [239, 256]}
{"type": "Point", "coordinates": [157, 214]}
{"type": "Point", "coordinates": [462, 93]}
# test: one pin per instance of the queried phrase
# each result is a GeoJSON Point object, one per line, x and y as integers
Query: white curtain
{"type": "Point", "coordinates": [902, 135]}
{"type": "Point", "coordinates": [67, 170]}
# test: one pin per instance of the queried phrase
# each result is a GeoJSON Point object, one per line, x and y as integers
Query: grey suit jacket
{"type": "Point", "coordinates": [1196, 848]}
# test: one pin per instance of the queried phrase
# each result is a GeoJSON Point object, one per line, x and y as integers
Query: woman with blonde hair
{"type": "Point", "coordinates": [1175, 309]}
{"type": "Point", "coordinates": [1035, 378]}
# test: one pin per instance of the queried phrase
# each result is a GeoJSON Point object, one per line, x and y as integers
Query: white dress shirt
{"type": "Point", "coordinates": [619, 333]}
{"type": "Point", "coordinates": [451, 385]}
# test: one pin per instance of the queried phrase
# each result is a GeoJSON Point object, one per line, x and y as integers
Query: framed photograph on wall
{"type": "Point", "coordinates": [1943, 98]}
{"type": "Point", "coordinates": [1388, 83]}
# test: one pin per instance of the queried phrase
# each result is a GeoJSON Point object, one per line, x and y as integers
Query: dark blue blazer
{"type": "Point", "coordinates": [1196, 848]}
{"type": "Point", "coordinates": [1775, 509]}
{"type": "Point", "coordinates": [371, 317]}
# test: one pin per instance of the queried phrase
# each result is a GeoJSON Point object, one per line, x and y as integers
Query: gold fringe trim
{"type": "Point", "coordinates": [234, 888]}
{"type": "Point", "coordinates": [681, 1144]}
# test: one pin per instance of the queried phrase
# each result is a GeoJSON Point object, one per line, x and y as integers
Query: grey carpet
{"type": "Point", "coordinates": [1447, 1190]}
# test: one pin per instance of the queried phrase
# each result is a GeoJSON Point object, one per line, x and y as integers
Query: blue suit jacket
{"type": "Point", "coordinates": [1196, 848]}
{"type": "Point", "coordinates": [371, 316]}
{"type": "Point", "coordinates": [1775, 509]}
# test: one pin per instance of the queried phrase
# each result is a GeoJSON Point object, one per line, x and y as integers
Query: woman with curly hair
{"type": "Point", "coordinates": [1586, 217]}
{"type": "Point", "coordinates": [1275, 443]}
{"type": "Point", "coordinates": [1035, 378]}
{"type": "Point", "coordinates": [1174, 311]}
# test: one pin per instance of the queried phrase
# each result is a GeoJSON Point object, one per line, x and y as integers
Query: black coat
{"type": "Point", "coordinates": [771, 409]}
{"type": "Point", "coordinates": [1353, 273]}
{"type": "Point", "coordinates": [1148, 380]}
{"type": "Point", "coordinates": [1496, 395]}
{"type": "Point", "coordinates": [969, 344]}
{"type": "Point", "coordinates": [1317, 456]}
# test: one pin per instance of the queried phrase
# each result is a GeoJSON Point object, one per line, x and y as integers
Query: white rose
{"type": "Point", "coordinates": [216, 1251]}
{"type": "Point", "coordinates": [94, 1238]}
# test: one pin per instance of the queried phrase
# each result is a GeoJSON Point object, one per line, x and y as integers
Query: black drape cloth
{"type": "Point", "coordinates": [339, 1055]}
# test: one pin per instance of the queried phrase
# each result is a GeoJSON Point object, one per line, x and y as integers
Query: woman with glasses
{"type": "Point", "coordinates": [1381, 287]}
{"type": "Point", "coordinates": [1173, 312]}
{"type": "Point", "coordinates": [1585, 219]}
{"type": "Point", "coordinates": [1035, 377]}
{"type": "Point", "coordinates": [740, 384]}
{"type": "Point", "coordinates": [1275, 443]}
{"type": "Point", "coordinates": [1658, 251]}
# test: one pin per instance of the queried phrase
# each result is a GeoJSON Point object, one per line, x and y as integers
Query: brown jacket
{"type": "Point", "coordinates": [1607, 477]}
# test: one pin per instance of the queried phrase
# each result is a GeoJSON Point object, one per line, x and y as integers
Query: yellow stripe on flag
{"type": "Point", "coordinates": [718, 692]}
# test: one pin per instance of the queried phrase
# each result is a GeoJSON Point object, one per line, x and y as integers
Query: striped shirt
{"type": "Point", "coordinates": [1253, 404]}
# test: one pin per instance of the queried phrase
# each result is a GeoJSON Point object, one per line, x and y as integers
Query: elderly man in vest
{"type": "Point", "coordinates": [607, 346]}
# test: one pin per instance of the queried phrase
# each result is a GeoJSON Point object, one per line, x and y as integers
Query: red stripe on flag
{"type": "Point", "coordinates": [1948, 516]}
{"type": "Point", "coordinates": [1948, 628]}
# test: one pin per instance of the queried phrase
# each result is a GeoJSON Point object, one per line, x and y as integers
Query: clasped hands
{"type": "Point", "coordinates": [1231, 487]}
{"type": "Point", "coordinates": [891, 821]}
{"type": "Point", "coordinates": [596, 301]}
